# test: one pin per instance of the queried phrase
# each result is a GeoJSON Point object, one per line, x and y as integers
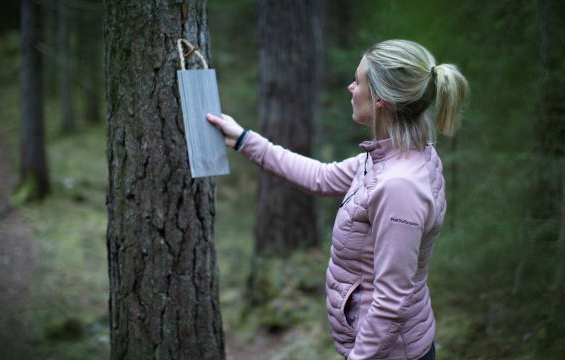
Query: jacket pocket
{"type": "Point", "coordinates": [348, 306]}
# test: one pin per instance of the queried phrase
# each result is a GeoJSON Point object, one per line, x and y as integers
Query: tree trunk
{"type": "Point", "coordinates": [34, 181]}
{"type": "Point", "coordinates": [290, 56]}
{"type": "Point", "coordinates": [65, 80]}
{"type": "Point", "coordinates": [162, 261]}
{"type": "Point", "coordinates": [90, 53]}
{"type": "Point", "coordinates": [340, 16]}
{"type": "Point", "coordinates": [551, 111]}
{"type": "Point", "coordinates": [9, 16]}
{"type": "Point", "coordinates": [49, 48]}
{"type": "Point", "coordinates": [550, 192]}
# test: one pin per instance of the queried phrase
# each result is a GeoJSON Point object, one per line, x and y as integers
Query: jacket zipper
{"type": "Point", "coordinates": [364, 173]}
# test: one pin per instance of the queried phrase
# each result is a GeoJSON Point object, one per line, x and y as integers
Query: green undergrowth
{"type": "Point", "coordinates": [68, 294]}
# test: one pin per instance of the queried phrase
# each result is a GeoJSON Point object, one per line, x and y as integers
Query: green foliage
{"type": "Point", "coordinates": [284, 288]}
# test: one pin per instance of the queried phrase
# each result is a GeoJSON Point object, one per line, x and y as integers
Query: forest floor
{"type": "Point", "coordinates": [17, 256]}
{"type": "Point", "coordinates": [53, 278]}
{"type": "Point", "coordinates": [263, 347]}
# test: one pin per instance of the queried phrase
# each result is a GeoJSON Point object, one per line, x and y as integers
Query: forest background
{"type": "Point", "coordinates": [496, 275]}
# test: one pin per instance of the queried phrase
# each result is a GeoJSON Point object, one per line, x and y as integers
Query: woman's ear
{"type": "Point", "coordinates": [379, 104]}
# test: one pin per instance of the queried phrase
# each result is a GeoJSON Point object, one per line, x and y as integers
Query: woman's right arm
{"type": "Point", "coordinates": [332, 179]}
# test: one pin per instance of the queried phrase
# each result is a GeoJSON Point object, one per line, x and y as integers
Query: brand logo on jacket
{"type": "Point", "coordinates": [403, 221]}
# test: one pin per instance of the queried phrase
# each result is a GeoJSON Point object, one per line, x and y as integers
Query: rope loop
{"type": "Point", "coordinates": [192, 50]}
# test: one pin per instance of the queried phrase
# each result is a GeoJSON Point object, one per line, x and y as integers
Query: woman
{"type": "Point", "coordinates": [394, 200]}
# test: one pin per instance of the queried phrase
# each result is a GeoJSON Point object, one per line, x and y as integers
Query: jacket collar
{"type": "Point", "coordinates": [379, 149]}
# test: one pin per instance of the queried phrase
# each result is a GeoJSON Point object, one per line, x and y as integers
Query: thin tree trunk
{"type": "Point", "coordinates": [290, 56]}
{"type": "Point", "coordinates": [49, 48]}
{"type": "Point", "coordinates": [9, 16]}
{"type": "Point", "coordinates": [560, 272]}
{"type": "Point", "coordinates": [162, 261]}
{"type": "Point", "coordinates": [551, 111]}
{"type": "Point", "coordinates": [65, 79]}
{"type": "Point", "coordinates": [90, 50]}
{"type": "Point", "coordinates": [340, 17]}
{"type": "Point", "coordinates": [34, 181]}
{"type": "Point", "coordinates": [551, 127]}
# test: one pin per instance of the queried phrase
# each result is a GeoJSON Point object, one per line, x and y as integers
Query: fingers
{"type": "Point", "coordinates": [216, 120]}
{"type": "Point", "coordinates": [228, 126]}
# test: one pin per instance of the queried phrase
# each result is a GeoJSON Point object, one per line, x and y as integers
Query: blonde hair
{"type": "Point", "coordinates": [405, 76]}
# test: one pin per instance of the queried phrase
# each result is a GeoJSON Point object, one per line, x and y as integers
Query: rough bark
{"type": "Point", "coordinates": [162, 261]}
{"type": "Point", "coordinates": [34, 181]}
{"type": "Point", "coordinates": [290, 57]}
{"type": "Point", "coordinates": [68, 125]}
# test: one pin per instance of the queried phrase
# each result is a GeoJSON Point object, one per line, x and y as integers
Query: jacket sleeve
{"type": "Point", "coordinates": [332, 179]}
{"type": "Point", "coordinates": [398, 212]}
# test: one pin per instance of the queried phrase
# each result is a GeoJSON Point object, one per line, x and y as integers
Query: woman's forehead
{"type": "Point", "coordinates": [362, 67]}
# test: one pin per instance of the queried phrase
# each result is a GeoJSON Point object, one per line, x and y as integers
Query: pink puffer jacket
{"type": "Point", "coordinates": [393, 209]}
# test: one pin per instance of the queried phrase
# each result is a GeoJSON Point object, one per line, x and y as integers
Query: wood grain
{"type": "Point", "coordinates": [206, 148]}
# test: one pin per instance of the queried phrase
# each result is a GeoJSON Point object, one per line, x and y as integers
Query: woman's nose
{"type": "Point", "coordinates": [350, 87]}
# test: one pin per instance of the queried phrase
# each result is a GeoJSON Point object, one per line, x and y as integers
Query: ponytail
{"type": "Point", "coordinates": [403, 74]}
{"type": "Point", "coordinates": [451, 92]}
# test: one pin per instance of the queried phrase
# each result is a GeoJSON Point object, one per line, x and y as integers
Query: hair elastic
{"type": "Point", "coordinates": [433, 73]}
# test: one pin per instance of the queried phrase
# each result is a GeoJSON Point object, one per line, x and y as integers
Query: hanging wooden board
{"type": "Point", "coordinates": [198, 91]}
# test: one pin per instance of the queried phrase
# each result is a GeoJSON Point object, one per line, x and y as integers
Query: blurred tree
{"type": "Point", "coordinates": [290, 58]}
{"type": "Point", "coordinates": [162, 260]}
{"type": "Point", "coordinates": [290, 42]}
{"type": "Point", "coordinates": [551, 107]}
{"type": "Point", "coordinates": [48, 48]}
{"type": "Point", "coordinates": [90, 57]}
{"type": "Point", "coordinates": [34, 180]}
{"type": "Point", "coordinates": [68, 125]}
{"type": "Point", "coordinates": [9, 15]}
{"type": "Point", "coordinates": [547, 194]}
{"type": "Point", "coordinates": [551, 111]}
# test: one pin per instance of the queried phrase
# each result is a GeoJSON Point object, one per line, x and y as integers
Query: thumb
{"type": "Point", "coordinates": [213, 119]}
{"type": "Point", "coordinates": [230, 142]}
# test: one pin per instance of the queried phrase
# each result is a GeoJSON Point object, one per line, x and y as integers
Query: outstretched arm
{"type": "Point", "coordinates": [333, 179]}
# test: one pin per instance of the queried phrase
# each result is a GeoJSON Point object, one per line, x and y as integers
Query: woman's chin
{"type": "Point", "coordinates": [361, 121]}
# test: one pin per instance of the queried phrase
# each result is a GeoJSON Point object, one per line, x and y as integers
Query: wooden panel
{"type": "Point", "coordinates": [198, 91]}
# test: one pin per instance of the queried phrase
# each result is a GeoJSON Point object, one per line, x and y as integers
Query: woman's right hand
{"type": "Point", "coordinates": [229, 127]}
